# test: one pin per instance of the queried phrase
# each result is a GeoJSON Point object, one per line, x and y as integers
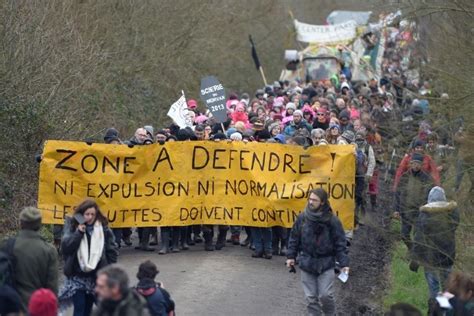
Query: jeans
{"type": "Point", "coordinates": [262, 239]}
{"type": "Point", "coordinates": [436, 278]}
{"type": "Point", "coordinates": [82, 302]}
{"type": "Point", "coordinates": [319, 292]}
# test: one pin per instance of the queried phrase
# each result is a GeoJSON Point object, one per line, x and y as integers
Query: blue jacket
{"type": "Point", "coordinates": [158, 299]}
{"type": "Point", "coordinates": [291, 129]}
{"type": "Point", "coordinates": [318, 244]}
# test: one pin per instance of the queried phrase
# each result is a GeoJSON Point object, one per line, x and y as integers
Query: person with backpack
{"type": "Point", "coordinates": [318, 240]}
{"type": "Point", "coordinates": [434, 245]}
{"type": "Point", "coordinates": [27, 261]}
{"type": "Point", "coordinates": [158, 299]}
{"type": "Point", "coordinates": [88, 245]}
{"type": "Point", "coordinates": [365, 166]}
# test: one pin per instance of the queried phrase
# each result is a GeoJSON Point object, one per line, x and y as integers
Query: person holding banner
{"type": "Point", "coordinates": [318, 240]}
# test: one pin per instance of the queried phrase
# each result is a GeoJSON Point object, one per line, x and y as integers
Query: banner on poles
{"type": "Point", "coordinates": [325, 34]}
{"type": "Point", "coordinates": [192, 183]}
{"type": "Point", "coordinates": [179, 113]}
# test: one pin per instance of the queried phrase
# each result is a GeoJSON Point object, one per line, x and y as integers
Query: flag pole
{"type": "Point", "coordinates": [263, 75]}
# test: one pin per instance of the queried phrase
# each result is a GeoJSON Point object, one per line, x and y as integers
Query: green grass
{"type": "Point", "coordinates": [404, 285]}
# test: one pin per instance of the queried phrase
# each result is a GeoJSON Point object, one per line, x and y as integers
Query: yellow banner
{"type": "Point", "coordinates": [190, 183]}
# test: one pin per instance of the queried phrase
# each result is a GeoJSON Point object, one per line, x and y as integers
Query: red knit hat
{"type": "Point", "coordinates": [43, 302]}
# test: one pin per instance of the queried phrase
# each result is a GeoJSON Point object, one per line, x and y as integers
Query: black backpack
{"type": "Point", "coordinates": [7, 264]}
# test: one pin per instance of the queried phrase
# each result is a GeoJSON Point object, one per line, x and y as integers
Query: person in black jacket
{"type": "Point", "coordinates": [158, 299]}
{"type": "Point", "coordinates": [318, 240]}
{"type": "Point", "coordinates": [88, 245]}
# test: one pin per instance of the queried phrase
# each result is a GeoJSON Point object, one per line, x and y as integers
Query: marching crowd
{"type": "Point", "coordinates": [379, 117]}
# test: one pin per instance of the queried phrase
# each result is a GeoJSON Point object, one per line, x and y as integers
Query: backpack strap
{"type": "Point", "coordinates": [10, 246]}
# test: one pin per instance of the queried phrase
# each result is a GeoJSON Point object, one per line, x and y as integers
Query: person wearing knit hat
{"type": "Point", "coordinates": [112, 136]}
{"type": "Point", "coordinates": [201, 119]}
{"type": "Point", "coordinates": [43, 302]}
{"type": "Point", "coordinates": [192, 104]}
{"type": "Point", "coordinates": [236, 136]}
{"type": "Point", "coordinates": [274, 129]}
{"type": "Point", "coordinates": [296, 124]}
{"type": "Point", "coordinates": [34, 257]}
{"type": "Point", "coordinates": [290, 105]}
{"type": "Point", "coordinates": [434, 244]}
{"type": "Point", "coordinates": [410, 195]}
{"type": "Point", "coordinates": [345, 120]}
{"type": "Point", "coordinates": [428, 164]}
{"type": "Point", "coordinates": [346, 138]}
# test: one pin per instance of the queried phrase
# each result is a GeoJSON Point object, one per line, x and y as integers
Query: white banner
{"type": "Point", "coordinates": [325, 33]}
{"type": "Point", "coordinates": [179, 113]}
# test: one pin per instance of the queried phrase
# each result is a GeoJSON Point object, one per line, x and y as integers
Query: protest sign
{"type": "Point", "coordinates": [179, 113]}
{"type": "Point", "coordinates": [325, 34]}
{"type": "Point", "coordinates": [191, 183]}
{"type": "Point", "coordinates": [213, 95]}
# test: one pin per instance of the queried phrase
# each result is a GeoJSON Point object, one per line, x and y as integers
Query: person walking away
{"type": "Point", "coordinates": [318, 240]}
{"type": "Point", "coordinates": [88, 244]}
{"type": "Point", "coordinates": [434, 245]}
{"type": "Point", "coordinates": [158, 299]}
{"type": "Point", "coordinates": [115, 296]}
{"type": "Point", "coordinates": [411, 194]}
{"type": "Point", "coordinates": [34, 260]}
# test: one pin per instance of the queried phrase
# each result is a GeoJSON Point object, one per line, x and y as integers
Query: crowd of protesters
{"type": "Point", "coordinates": [383, 119]}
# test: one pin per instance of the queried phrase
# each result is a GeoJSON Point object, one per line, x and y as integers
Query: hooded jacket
{"type": "Point", "coordinates": [36, 265]}
{"type": "Point", "coordinates": [428, 166]}
{"type": "Point", "coordinates": [435, 231]}
{"type": "Point", "coordinates": [318, 244]}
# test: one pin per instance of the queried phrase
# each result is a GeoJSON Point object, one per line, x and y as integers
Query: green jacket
{"type": "Point", "coordinates": [36, 265]}
{"type": "Point", "coordinates": [133, 304]}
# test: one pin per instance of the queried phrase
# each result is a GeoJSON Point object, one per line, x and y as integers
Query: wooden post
{"type": "Point", "coordinates": [263, 75]}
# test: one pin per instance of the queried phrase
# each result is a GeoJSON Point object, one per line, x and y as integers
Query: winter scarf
{"type": "Point", "coordinates": [322, 214]}
{"type": "Point", "coordinates": [89, 257]}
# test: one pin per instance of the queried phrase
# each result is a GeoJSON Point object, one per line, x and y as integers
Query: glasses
{"type": "Point", "coordinates": [321, 114]}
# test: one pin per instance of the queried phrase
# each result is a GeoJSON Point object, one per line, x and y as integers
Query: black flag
{"type": "Point", "coordinates": [254, 54]}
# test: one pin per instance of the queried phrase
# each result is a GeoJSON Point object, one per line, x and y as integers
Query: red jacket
{"type": "Point", "coordinates": [428, 166]}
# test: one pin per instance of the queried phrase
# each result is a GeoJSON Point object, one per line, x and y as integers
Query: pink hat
{"type": "Point", "coordinates": [192, 104]}
{"type": "Point", "coordinates": [43, 302]}
{"type": "Point", "coordinates": [200, 119]}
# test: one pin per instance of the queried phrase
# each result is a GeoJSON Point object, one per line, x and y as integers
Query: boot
{"type": "Point", "coordinates": [175, 239]}
{"type": "Point", "coordinates": [184, 237]}
{"type": "Point", "coordinates": [208, 241]}
{"type": "Point", "coordinates": [145, 240]}
{"type": "Point", "coordinates": [373, 203]}
{"type": "Point", "coordinates": [154, 237]}
{"type": "Point", "coordinates": [257, 254]}
{"type": "Point", "coordinates": [221, 240]}
{"type": "Point", "coordinates": [165, 241]}
{"type": "Point", "coordinates": [267, 255]}
{"type": "Point", "coordinates": [189, 238]}
{"type": "Point", "coordinates": [246, 242]}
